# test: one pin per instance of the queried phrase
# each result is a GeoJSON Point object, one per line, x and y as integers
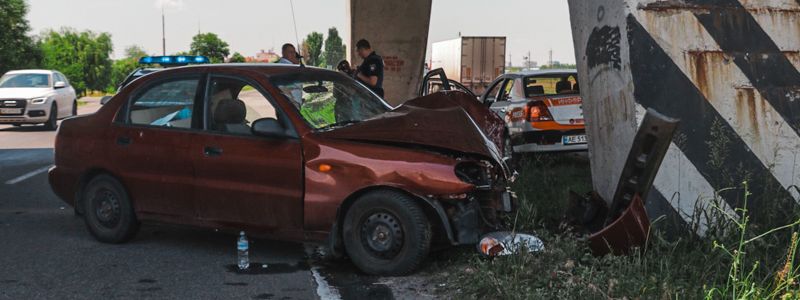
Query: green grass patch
{"type": "Point", "coordinates": [736, 259]}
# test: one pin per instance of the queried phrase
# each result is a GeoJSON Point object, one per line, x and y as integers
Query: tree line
{"type": "Point", "coordinates": [85, 57]}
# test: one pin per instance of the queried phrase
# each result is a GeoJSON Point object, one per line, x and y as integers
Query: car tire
{"type": "Point", "coordinates": [108, 211]}
{"type": "Point", "coordinates": [75, 108]}
{"type": "Point", "coordinates": [386, 233]}
{"type": "Point", "coordinates": [52, 120]}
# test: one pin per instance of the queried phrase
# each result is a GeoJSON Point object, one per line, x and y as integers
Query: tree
{"type": "Point", "coordinates": [211, 46]}
{"type": "Point", "coordinates": [334, 48]}
{"type": "Point", "coordinates": [83, 56]}
{"type": "Point", "coordinates": [135, 52]}
{"type": "Point", "coordinates": [312, 49]}
{"type": "Point", "coordinates": [237, 58]}
{"type": "Point", "coordinates": [17, 49]}
{"type": "Point", "coordinates": [121, 68]}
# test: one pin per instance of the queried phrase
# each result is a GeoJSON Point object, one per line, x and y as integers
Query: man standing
{"type": "Point", "coordinates": [289, 55]}
{"type": "Point", "coordinates": [370, 72]}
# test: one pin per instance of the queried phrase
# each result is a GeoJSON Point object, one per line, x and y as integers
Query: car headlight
{"type": "Point", "coordinates": [475, 173]}
{"type": "Point", "coordinates": [39, 100]}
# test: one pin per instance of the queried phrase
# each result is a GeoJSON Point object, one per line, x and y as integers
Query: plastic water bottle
{"type": "Point", "coordinates": [243, 256]}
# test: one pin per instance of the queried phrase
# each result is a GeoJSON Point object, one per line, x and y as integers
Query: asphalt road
{"type": "Point", "coordinates": [47, 253]}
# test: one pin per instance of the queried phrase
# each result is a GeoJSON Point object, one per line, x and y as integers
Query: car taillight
{"type": "Point", "coordinates": [537, 112]}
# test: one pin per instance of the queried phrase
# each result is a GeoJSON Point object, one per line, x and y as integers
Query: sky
{"type": "Point", "coordinates": [250, 26]}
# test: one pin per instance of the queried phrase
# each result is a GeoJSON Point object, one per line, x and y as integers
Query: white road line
{"type": "Point", "coordinates": [28, 175]}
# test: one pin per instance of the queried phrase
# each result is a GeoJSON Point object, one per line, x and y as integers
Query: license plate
{"type": "Point", "coordinates": [10, 111]}
{"type": "Point", "coordinates": [574, 139]}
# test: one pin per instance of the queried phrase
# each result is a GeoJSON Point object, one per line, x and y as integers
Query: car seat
{"type": "Point", "coordinates": [230, 116]}
{"type": "Point", "coordinates": [562, 86]}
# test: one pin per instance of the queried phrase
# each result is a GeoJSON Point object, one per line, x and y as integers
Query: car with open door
{"type": "Point", "coordinates": [543, 109]}
{"type": "Point", "coordinates": [286, 152]}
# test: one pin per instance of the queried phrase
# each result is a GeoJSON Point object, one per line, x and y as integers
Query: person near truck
{"type": "Point", "coordinates": [370, 72]}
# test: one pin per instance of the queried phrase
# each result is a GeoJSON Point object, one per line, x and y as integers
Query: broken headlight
{"type": "Point", "coordinates": [476, 173]}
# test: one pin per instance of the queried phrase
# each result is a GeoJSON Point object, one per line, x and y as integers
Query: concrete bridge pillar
{"type": "Point", "coordinates": [398, 31]}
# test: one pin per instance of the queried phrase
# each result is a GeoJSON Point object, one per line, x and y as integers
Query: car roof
{"type": "Point", "coordinates": [31, 71]}
{"type": "Point", "coordinates": [540, 72]}
{"type": "Point", "coordinates": [269, 69]}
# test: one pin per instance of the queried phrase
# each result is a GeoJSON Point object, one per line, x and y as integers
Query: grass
{"type": "Point", "coordinates": [736, 260]}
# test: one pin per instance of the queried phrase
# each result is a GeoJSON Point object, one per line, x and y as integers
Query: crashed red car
{"type": "Point", "coordinates": [285, 152]}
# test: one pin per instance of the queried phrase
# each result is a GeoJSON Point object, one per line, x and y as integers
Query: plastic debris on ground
{"type": "Point", "coordinates": [501, 243]}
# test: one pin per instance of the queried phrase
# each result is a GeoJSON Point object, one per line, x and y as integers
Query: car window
{"type": "Point", "coordinates": [25, 81]}
{"type": "Point", "coordinates": [551, 85]}
{"type": "Point", "coordinates": [492, 95]}
{"type": "Point", "coordinates": [234, 105]}
{"type": "Point", "coordinates": [329, 100]}
{"type": "Point", "coordinates": [61, 77]}
{"type": "Point", "coordinates": [505, 92]}
{"type": "Point", "coordinates": [167, 104]}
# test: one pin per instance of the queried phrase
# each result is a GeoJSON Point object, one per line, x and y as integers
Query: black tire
{"type": "Point", "coordinates": [75, 108]}
{"type": "Point", "coordinates": [108, 211]}
{"type": "Point", "coordinates": [401, 233]}
{"type": "Point", "coordinates": [52, 120]}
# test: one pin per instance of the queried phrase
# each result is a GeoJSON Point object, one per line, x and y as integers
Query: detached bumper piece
{"type": "Point", "coordinates": [624, 224]}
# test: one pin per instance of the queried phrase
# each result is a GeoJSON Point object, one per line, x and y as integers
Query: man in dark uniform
{"type": "Point", "coordinates": [370, 72]}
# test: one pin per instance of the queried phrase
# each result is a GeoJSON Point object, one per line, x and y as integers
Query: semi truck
{"type": "Point", "coordinates": [475, 61]}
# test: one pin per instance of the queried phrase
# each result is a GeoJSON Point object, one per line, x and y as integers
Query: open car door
{"type": "Point", "coordinates": [436, 80]}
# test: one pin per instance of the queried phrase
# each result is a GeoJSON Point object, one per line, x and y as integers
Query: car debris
{"type": "Point", "coordinates": [624, 224]}
{"type": "Point", "coordinates": [500, 243]}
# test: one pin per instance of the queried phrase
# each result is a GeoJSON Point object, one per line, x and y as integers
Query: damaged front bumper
{"type": "Point", "coordinates": [465, 221]}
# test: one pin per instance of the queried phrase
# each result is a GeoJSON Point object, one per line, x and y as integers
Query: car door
{"type": "Point", "coordinates": [150, 146]}
{"type": "Point", "coordinates": [244, 180]}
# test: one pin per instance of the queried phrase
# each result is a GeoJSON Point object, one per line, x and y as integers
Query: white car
{"type": "Point", "coordinates": [36, 97]}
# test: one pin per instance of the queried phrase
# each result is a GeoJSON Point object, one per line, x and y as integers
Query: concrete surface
{"type": "Point", "coordinates": [398, 31]}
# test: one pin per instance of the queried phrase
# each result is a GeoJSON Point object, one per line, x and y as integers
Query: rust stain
{"type": "Point", "coordinates": [746, 107]}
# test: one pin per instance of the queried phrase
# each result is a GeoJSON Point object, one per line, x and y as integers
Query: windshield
{"type": "Point", "coordinates": [547, 85]}
{"type": "Point", "coordinates": [25, 81]}
{"type": "Point", "coordinates": [329, 100]}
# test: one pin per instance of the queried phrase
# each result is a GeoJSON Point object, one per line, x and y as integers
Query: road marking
{"type": "Point", "coordinates": [28, 175]}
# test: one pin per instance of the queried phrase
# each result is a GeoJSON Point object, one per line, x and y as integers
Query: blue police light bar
{"type": "Point", "coordinates": [173, 60]}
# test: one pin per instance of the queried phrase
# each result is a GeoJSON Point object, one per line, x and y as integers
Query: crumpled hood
{"type": "Point", "coordinates": [448, 127]}
{"type": "Point", "coordinates": [24, 93]}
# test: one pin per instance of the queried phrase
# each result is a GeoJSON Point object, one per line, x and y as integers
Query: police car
{"type": "Point", "coordinates": [147, 64]}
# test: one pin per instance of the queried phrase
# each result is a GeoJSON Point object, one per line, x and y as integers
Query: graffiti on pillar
{"type": "Point", "coordinates": [603, 47]}
{"type": "Point", "coordinates": [393, 63]}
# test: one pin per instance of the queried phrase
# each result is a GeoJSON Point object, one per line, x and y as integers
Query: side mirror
{"type": "Point", "coordinates": [59, 85]}
{"type": "Point", "coordinates": [105, 100]}
{"type": "Point", "coordinates": [268, 127]}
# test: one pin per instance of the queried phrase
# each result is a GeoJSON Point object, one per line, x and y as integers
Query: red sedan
{"type": "Point", "coordinates": [285, 152]}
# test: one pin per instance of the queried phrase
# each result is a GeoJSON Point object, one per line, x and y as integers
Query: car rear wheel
{"type": "Point", "coordinates": [108, 211]}
{"type": "Point", "coordinates": [52, 121]}
{"type": "Point", "coordinates": [386, 233]}
{"type": "Point", "coordinates": [75, 108]}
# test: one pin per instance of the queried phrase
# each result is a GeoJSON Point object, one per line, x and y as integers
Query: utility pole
{"type": "Point", "coordinates": [529, 59]}
{"type": "Point", "coordinates": [163, 33]}
{"type": "Point", "coordinates": [551, 57]}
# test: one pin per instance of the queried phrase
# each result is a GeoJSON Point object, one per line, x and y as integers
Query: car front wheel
{"type": "Point", "coordinates": [108, 210]}
{"type": "Point", "coordinates": [52, 121]}
{"type": "Point", "coordinates": [386, 233]}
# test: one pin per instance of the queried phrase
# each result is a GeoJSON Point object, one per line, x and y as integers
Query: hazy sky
{"type": "Point", "coordinates": [249, 26]}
